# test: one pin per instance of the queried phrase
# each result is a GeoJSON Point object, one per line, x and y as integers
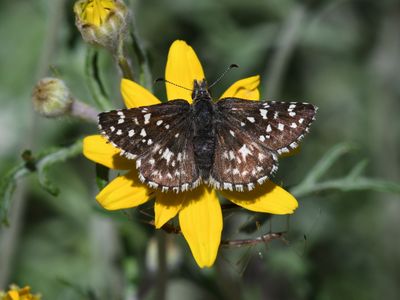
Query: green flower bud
{"type": "Point", "coordinates": [52, 98]}
{"type": "Point", "coordinates": [102, 22]}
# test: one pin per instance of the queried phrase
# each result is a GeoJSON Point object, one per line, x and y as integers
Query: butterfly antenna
{"type": "Point", "coordinates": [167, 81]}
{"type": "Point", "coordinates": [223, 74]}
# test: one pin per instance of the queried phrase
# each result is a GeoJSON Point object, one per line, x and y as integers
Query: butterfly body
{"type": "Point", "coordinates": [203, 129]}
{"type": "Point", "coordinates": [232, 144]}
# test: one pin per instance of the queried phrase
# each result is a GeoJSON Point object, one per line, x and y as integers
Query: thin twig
{"type": "Point", "coordinates": [263, 239]}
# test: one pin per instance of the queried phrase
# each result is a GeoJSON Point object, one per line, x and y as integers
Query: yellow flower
{"type": "Point", "coordinates": [199, 210]}
{"type": "Point", "coordinates": [101, 22]}
{"type": "Point", "coordinates": [16, 293]}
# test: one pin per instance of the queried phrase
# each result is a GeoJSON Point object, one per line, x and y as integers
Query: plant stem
{"type": "Point", "coordinates": [83, 111]}
{"type": "Point", "coordinates": [123, 62]}
{"type": "Point", "coordinates": [93, 80]}
{"type": "Point", "coordinates": [161, 280]}
{"type": "Point", "coordinates": [285, 45]}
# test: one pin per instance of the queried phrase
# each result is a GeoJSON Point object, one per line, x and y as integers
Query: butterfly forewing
{"type": "Point", "coordinates": [276, 125]}
{"type": "Point", "coordinates": [250, 134]}
{"type": "Point", "coordinates": [158, 137]}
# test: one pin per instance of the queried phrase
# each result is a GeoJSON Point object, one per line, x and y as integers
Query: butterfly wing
{"type": "Point", "coordinates": [249, 137]}
{"type": "Point", "coordinates": [158, 138]}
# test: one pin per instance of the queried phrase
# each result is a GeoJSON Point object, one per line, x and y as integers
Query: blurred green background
{"type": "Point", "coordinates": [343, 56]}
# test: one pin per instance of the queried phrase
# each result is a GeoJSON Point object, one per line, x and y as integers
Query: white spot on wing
{"type": "Point", "coordinates": [131, 133]}
{"type": "Point", "coordinates": [251, 119]}
{"type": "Point", "coordinates": [159, 122]}
{"type": "Point", "coordinates": [263, 113]}
{"type": "Point", "coordinates": [143, 132]}
{"type": "Point", "coordinates": [244, 151]}
{"type": "Point", "coordinates": [231, 155]}
{"type": "Point", "coordinates": [147, 118]}
{"type": "Point", "coordinates": [281, 126]}
{"type": "Point", "coordinates": [167, 154]}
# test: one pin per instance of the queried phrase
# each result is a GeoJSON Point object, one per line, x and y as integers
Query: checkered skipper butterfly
{"type": "Point", "coordinates": [231, 144]}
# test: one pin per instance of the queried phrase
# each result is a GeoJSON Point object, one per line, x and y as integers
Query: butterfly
{"type": "Point", "coordinates": [231, 144]}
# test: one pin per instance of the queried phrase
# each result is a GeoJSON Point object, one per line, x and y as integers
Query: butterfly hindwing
{"type": "Point", "coordinates": [250, 134]}
{"type": "Point", "coordinates": [240, 162]}
{"type": "Point", "coordinates": [157, 138]}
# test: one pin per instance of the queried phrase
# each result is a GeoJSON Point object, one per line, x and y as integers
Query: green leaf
{"type": "Point", "coordinates": [102, 173]}
{"type": "Point", "coordinates": [40, 163]}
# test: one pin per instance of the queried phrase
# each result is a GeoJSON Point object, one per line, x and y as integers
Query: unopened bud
{"type": "Point", "coordinates": [51, 98]}
{"type": "Point", "coordinates": [101, 22]}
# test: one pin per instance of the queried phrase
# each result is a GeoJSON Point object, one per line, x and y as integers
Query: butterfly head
{"type": "Point", "coordinates": [200, 90]}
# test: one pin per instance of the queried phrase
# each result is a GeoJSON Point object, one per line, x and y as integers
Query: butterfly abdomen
{"type": "Point", "coordinates": [204, 136]}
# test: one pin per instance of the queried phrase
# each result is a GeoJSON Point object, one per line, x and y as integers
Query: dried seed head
{"type": "Point", "coordinates": [51, 98]}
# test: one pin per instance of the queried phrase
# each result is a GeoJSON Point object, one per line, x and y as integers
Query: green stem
{"type": "Point", "coordinates": [94, 83]}
{"type": "Point", "coordinates": [161, 280]}
{"type": "Point", "coordinates": [123, 62]}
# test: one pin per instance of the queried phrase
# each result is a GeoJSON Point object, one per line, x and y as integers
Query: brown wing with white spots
{"type": "Point", "coordinates": [255, 131]}
{"type": "Point", "coordinates": [279, 126]}
{"type": "Point", "coordinates": [157, 137]}
{"type": "Point", "coordinates": [240, 161]}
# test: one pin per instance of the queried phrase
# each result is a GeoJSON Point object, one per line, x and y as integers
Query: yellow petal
{"type": "Point", "coordinates": [94, 12]}
{"type": "Point", "coordinates": [183, 67]}
{"type": "Point", "coordinates": [166, 206]}
{"type": "Point", "coordinates": [125, 191]}
{"type": "Point", "coordinates": [268, 198]}
{"type": "Point", "coordinates": [201, 223]}
{"type": "Point", "coordinates": [135, 95]}
{"type": "Point", "coordinates": [246, 88]}
{"type": "Point", "coordinates": [96, 148]}
{"type": "Point", "coordinates": [14, 295]}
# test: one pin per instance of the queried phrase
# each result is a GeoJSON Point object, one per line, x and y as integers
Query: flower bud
{"type": "Point", "coordinates": [51, 98]}
{"type": "Point", "coordinates": [101, 22]}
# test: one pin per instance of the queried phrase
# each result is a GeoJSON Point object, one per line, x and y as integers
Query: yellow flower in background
{"type": "Point", "coordinates": [16, 293]}
{"type": "Point", "coordinates": [199, 210]}
{"type": "Point", "coordinates": [101, 22]}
